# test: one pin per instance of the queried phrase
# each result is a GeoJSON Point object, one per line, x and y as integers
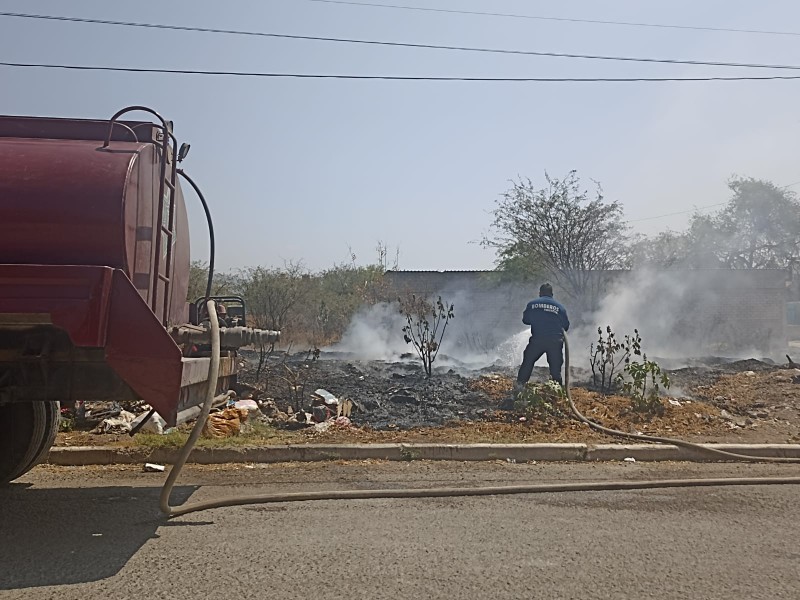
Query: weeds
{"type": "Point", "coordinates": [294, 378]}
{"type": "Point", "coordinates": [257, 434]}
{"type": "Point", "coordinates": [425, 322]}
{"type": "Point", "coordinates": [409, 454]}
{"type": "Point", "coordinates": [641, 380]}
{"type": "Point", "coordinates": [540, 399]}
{"type": "Point", "coordinates": [610, 354]}
{"type": "Point", "coordinates": [644, 399]}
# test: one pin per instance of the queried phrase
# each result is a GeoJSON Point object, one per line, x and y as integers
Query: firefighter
{"type": "Point", "coordinates": [548, 320]}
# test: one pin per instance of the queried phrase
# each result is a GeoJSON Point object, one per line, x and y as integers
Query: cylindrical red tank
{"type": "Point", "coordinates": [65, 200]}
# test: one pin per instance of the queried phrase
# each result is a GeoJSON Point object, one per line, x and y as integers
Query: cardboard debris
{"type": "Point", "coordinates": [344, 408]}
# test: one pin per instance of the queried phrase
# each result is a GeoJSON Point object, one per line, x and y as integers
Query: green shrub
{"type": "Point", "coordinates": [642, 381]}
{"type": "Point", "coordinates": [540, 398]}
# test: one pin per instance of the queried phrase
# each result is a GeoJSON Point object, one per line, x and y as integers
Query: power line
{"type": "Point", "coordinates": [560, 19]}
{"type": "Point", "coordinates": [698, 208]}
{"type": "Point", "coordinates": [397, 77]}
{"type": "Point", "coordinates": [402, 44]}
{"type": "Point", "coordinates": [681, 212]}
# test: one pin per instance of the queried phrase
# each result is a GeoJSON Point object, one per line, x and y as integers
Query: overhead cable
{"type": "Point", "coordinates": [397, 77]}
{"type": "Point", "coordinates": [637, 59]}
{"type": "Point", "coordinates": [560, 19]}
{"type": "Point", "coordinates": [698, 208]}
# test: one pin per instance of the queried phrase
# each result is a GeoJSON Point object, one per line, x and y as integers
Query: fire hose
{"type": "Point", "coordinates": [213, 372]}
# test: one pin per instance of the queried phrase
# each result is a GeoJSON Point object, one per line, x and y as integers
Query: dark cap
{"type": "Point", "coordinates": [546, 290]}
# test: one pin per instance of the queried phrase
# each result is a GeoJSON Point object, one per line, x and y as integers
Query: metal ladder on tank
{"type": "Point", "coordinates": [164, 234]}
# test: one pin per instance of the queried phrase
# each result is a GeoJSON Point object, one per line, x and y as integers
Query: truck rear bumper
{"type": "Point", "coordinates": [98, 308]}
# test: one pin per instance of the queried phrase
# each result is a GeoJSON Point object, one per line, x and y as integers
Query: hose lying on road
{"type": "Point", "coordinates": [213, 371]}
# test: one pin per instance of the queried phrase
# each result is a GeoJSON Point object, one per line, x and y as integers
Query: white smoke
{"type": "Point", "coordinates": [471, 340]}
{"type": "Point", "coordinates": [375, 333]}
{"type": "Point", "coordinates": [680, 315]}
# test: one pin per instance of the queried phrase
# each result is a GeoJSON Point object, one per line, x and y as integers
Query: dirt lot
{"type": "Point", "coordinates": [713, 400]}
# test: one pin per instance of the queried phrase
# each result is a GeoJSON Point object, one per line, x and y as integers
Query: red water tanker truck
{"type": "Point", "coordinates": [94, 274]}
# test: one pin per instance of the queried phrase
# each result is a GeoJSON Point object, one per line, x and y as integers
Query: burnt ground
{"type": "Point", "coordinates": [714, 399]}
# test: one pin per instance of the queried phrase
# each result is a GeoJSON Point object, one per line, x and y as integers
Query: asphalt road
{"type": "Point", "coordinates": [84, 533]}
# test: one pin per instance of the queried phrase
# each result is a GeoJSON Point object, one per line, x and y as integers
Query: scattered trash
{"type": "Point", "coordinates": [154, 424]}
{"type": "Point", "coordinates": [96, 416]}
{"type": "Point", "coordinates": [512, 461]}
{"type": "Point", "coordinates": [327, 397]}
{"type": "Point", "coordinates": [248, 405]}
{"type": "Point", "coordinates": [749, 373]}
{"type": "Point", "coordinates": [320, 414]}
{"type": "Point", "coordinates": [343, 422]}
{"type": "Point", "coordinates": [674, 402]}
{"type": "Point", "coordinates": [119, 424]}
{"type": "Point", "coordinates": [298, 420]}
{"type": "Point", "coordinates": [323, 426]}
{"type": "Point", "coordinates": [225, 423]}
{"type": "Point", "coordinates": [345, 408]}
{"type": "Point", "coordinates": [735, 421]}
{"type": "Point", "coordinates": [629, 459]}
{"type": "Point", "coordinates": [154, 468]}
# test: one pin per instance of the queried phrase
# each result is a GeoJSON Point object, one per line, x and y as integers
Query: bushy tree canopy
{"type": "Point", "coordinates": [560, 231]}
{"type": "Point", "coordinates": [758, 228]}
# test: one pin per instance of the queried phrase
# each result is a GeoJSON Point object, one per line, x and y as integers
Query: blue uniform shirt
{"type": "Point", "coordinates": [547, 317]}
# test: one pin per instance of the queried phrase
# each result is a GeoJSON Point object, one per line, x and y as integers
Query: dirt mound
{"type": "Point", "coordinates": [758, 395]}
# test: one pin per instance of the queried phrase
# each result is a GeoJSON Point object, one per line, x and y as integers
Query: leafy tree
{"type": "Point", "coordinates": [758, 228]}
{"type": "Point", "coordinates": [560, 231]}
{"type": "Point", "coordinates": [665, 249]}
{"type": "Point", "coordinates": [338, 293]}
{"type": "Point", "coordinates": [223, 284]}
{"type": "Point", "coordinates": [271, 295]}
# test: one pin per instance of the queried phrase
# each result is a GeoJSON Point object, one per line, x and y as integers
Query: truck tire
{"type": "Point", "coordinates": [27, 431]}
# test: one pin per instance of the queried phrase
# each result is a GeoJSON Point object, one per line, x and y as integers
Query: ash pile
{"type": "Point", "coordinates": [308, 388]}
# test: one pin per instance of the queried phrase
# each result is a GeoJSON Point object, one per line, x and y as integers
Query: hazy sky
{"type": "Point", "coordinates": [302, 169]}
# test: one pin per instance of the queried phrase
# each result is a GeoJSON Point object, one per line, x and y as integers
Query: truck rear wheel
{"type": "Point", "coordinates": [27, 431]}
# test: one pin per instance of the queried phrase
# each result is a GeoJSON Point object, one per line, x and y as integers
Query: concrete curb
{"type": "Point", "coordinates": [106, 455]}
{"type": "Point", "coordinates": [659, 452]}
